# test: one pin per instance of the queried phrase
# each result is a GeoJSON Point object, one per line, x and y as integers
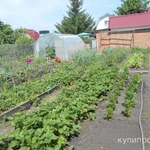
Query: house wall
{"type": "Point", "coordinates": [137, 38]}
{"type": "Point", "coordinates": [101, 24]}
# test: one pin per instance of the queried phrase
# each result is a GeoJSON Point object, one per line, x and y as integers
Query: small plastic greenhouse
{"type": "Point", "coordinates": [65, 45]}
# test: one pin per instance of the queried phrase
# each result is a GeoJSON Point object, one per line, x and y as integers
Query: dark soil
{"type": "Point", "coordinates": [103, 134]}
{"type": "Point", "coordinates": [146, 110]}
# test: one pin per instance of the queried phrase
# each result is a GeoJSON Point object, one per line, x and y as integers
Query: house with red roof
{"type": "Point", "coordinates": [131, 30]}
{"type": "Point", "coordinates": [33, 34]}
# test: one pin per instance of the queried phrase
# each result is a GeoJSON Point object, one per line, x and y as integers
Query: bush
{"type": "Point", "coordinates": [137, 60]}
{"type": "Point", "coordinates": [24, 40]}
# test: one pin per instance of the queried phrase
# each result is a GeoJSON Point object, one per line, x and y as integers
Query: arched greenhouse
{"type": "Point", "coordinates": [65, 45]}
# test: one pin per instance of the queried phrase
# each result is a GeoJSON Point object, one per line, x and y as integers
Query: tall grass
{"type": "Point", "coordinates": [86, 57]}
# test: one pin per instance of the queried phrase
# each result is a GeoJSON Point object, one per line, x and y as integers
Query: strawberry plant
{"type": "Point", "coordinates": [129, 101]}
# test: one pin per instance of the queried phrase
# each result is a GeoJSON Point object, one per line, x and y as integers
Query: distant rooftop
{"type": "Point", "coordinates": [33, 34]}
{"type": "Point", "coordinates": [130, 21]}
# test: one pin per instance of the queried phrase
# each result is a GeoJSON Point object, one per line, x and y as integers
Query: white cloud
{"type": "Point", "coordinates": [43, 14]}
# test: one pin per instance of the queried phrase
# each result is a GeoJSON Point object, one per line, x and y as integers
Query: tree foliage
{"type": "Point", "coordinates": [77, 20]}
{"type": "Point", "coordinates": [10, 36]}
{"type": "Point", "coordinates": [24, 40]}
{"type": "Point", "coordinates": [21, 36]}
{"type": "Point", "coordinates": [6, 34]}
{"type": "Point", "coordinates": [132, 7]}
{"type": "Point", "coordinates": [19, 32]}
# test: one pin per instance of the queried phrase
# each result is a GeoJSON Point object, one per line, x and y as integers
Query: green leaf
{"type": "Point", "coordinates": [92, 115]}
{"type": "Point", "coordinates": [71, 148]}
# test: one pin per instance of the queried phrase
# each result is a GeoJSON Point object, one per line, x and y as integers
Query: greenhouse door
{"type": "Point", "coordinates": [60, 49]}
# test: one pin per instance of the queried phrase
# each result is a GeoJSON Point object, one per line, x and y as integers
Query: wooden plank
{"type": "Point", "coordinates": [104, 44]}
{"type": "Point", "coordinates": [121, 39]}
{"type": "Point", "coordinates": [120, 44]}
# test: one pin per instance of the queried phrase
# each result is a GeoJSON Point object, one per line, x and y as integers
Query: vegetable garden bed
{"type": "Point", "coordinates": [55, 123]}
{"type": "Point", "coordinates": [26, 104]}
{"type": "Point", "coordinates": [120, 132]}
{"type": "Point", "coordinates": [12, 96]}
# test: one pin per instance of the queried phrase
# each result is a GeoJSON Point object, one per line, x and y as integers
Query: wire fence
{"type": "Point", "coordinates": [9, 52]}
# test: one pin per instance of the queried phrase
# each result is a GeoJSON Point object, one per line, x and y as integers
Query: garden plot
{"type": "Point", "coordinates": [54, 123]}
{"type": "Point", "coordinates": [111, 135]}
{"type": "Point", "coordinates": [61, 118]}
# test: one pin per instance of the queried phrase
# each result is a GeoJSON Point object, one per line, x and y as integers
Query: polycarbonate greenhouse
{"type": "Point", "coordinates": [65, 45]}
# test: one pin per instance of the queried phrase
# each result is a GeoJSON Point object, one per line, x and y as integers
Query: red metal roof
{"type": "Point", "coordinates": [130, 21]}
{"type": "Point", "coordinates": [33, 34]}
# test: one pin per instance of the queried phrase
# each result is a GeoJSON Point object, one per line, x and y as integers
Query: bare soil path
{"type": "Point", "coordinates": [146, 110]}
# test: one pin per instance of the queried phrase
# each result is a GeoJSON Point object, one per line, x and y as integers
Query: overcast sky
{"type": "Point", "coordinates": [44, 14]}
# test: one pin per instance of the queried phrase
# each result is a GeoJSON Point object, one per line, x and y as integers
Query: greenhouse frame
{"type": "Point", "coordinates": [65, 45]}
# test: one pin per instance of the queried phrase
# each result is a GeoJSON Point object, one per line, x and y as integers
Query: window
{"type": "Point", "coordinates": [106, 23]}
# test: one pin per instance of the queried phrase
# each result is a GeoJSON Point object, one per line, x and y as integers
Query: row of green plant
{"type": "Point", "coordinates": [65, 73]}
{"type": "Point", "coordinates": [115, 92]}
{"type": "Point", "coordinates": [55, 123]}
{"type": "Point", "coordinates": [138, 60]}
{"type": "Point", "coordinates": [130, 95]}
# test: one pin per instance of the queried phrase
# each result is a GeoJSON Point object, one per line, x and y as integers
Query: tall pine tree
{"type": "Point", "coordinates": [132, 7]}
{"type": "Point", "coordinates": [77, 20]}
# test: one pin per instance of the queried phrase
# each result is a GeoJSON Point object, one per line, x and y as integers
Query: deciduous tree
{"type": "Point", "coordinates": [6, 34]}
{"type": "Point", "coordinates": [132, 7]}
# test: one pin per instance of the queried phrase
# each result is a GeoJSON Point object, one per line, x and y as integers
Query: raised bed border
{"type": "Point", "coordinates": [26, 104]}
